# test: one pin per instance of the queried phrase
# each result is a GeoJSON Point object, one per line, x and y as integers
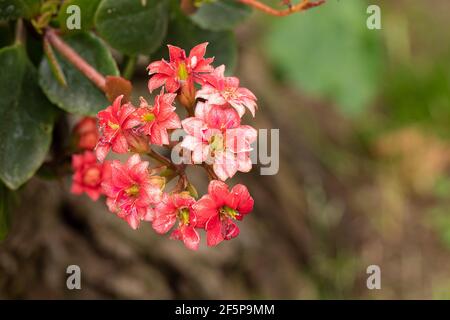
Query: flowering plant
{"type": "Point", "coordinates": [54, 67]}
{"type": "Point", "coordinates": [215, 137]}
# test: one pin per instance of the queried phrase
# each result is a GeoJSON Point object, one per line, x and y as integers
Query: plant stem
{"type": "Point", "coordinates": [304, 5]}
{"type": "Point", "coordinates": [90, 72]}
{"type": "Point", "coordinates": [19, 32]}
{"type": "Point", "coordinates": [181, 184]}
{"type": "Point", "coordinates": [210, 171]}
{"type": "Point", "coordinates": [129, 66]}
{"type": "Point", "coordinates": [163, 160]}
{"type": "Point", "coordinates": [54, 65]}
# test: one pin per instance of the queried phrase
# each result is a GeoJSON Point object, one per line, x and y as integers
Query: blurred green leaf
{"type": "Point", "coordinates": [26, 118]}
{"type": "Point", "coordinates": [80, 96]}
{"type": "Point", "coordinates": [6, 34]}
{"type": "Point", "coordinates": [5, 211]}
{"type": "Point", "coordinates": [133, 26]}
{"type": "Point", "coordinates": [13, 9]}
{"type": "Point", "coordinates": [440, 220]}
{"type": "Point", "coordinates": [420, 96]}
{"type": "Point", "coordinates": [220, 15]}
{"type": "Point", "coordinates": [329, 52]}
{"type": "Point", "coordinates": [185, 34]}
{"type": "Point", "coordinates": [88, 9]}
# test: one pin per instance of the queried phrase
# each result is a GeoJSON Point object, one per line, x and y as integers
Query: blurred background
{"type": "Point", "coordinates": [364, 179]}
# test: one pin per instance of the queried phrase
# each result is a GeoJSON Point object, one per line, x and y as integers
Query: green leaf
{"type": "Point", "coordinates": [6, 34]}
{"type": "Point", "coordinates": [80, 96]}
{"type": "Point", "coordinates": [185, 34]}
{"type": "Point", "coordinates": [26, 118]}
{"type": "Point", "coordinates": [88, 9]}
{"type": "Point", "coordinates": [221, 15]}
{"type": "Point", "coordinates": [5, 211]}
{"type": "Point", "coordinates": [329, 52]}
{"type": "Point", "coordinates": [132, 26]}
{"type": "Point", "coordinates": [14, 9]}
{"type": "Point", "coordinates": [10, 9]}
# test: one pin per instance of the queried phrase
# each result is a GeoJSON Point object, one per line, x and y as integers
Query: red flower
{"type": "Point", "coordinates": [177, 207]}
{"type": "Point", "coordinates": [159, 118]}
{"type": "Point", "coordinates": [222, 90]}
{"type": "Point", "coordinates": [115, 124]}
{"type": "Point", "coordinates": [217, 211]}
{"type": "Point", "coordinates": [180, 68]}
{"type": "Point", "coordinates": [88, 174]}
{"type": "Point", "coordinates": [86, 133]}
{"type": "Point", "coordinates": [216, 136]}
{"type": "Point", "coordinates": [131, 190]}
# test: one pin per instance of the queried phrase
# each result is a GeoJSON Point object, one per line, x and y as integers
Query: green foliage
{"type": "Point", "coordinates": [6, 199]}
{"type": "Point", "coordinates": [420, 96]}
{"type": "Point", "coordinates": [26, 118]}
{"type": "Point", "coordinates": [220, 15]}
{"type": "Point", "coordinates": [88, 9]}
{"type": "Point", "coordinates": [80, 96]}
{"type": "Point", "coordinates": [329, 53]}
{"type": "Point", "coordinates": [440, 220]}
{"type": "Point", "coordinates": [10, 9]}
{"type": "Point", "coordinates": [133, 26]}
{"type": "Point", "coordinates": [6, 34]}
{"type": "Point", "coordinates": [13, 9]}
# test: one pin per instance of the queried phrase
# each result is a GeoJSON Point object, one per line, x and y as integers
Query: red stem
{"type": "Point", "coordinates": [304, 5]}
{"type": "Point", "coordinates": [55, 40]}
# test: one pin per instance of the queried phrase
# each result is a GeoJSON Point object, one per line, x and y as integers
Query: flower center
{"type": "Point", "coordinates": [132, 191]}
{"type": "Point", "coordinates": [148, 117]}
{"type": "Point", "coordinates": [226, 211]}
{"type": "Point", "coordinates": [229, 93]}
{"type": "Point", "coordinates": [113, 125]}
{"type": "Point", "coordinates": [182, 71]}
{"type": "Point", "coordinates": [91, 177]}
{"type": "Point", "coordinates": [216, 142]}
{"type": "Point", "coordinates": [183, 215]}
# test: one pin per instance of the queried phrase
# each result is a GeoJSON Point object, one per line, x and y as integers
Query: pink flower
{"type": "Point", "coordinates": [87, 175]}
{"type": "Point", "coordinates": [218, 210]}
{"type": "Point", "coordinates": [159, 118]}
{"type": "Point", "coordinates": [221, 90]}
{"type": "Point", "coordinates": [175, 207]}
{"type": "Point", "coordinates": [180, 68]}
{"type": "Point", "coordinates": [115, 124]}
{"type": "Point", "coordinates": [86, 133]}
{"type": "Point", "coordinates": [131, 190]}
{"type": "Point", "coordinates": [215, 136]}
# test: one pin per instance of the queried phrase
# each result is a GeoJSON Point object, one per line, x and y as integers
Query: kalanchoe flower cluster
{"type": "Point", "coordinates": [215, 137]}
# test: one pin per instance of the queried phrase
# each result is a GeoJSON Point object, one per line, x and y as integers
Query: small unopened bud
{"type": "Point", "coordinates": [192, 191]}
{"type": "Point", "coordinates": [85, 134]}
{"type": "Point", "coordinates": [137, 143]}
{"type": "Point", "coordinates": [158, 181]}
{"type": "Point", "coordinates": [187, 94]}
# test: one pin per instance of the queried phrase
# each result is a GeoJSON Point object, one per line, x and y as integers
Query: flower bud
{"type": "Point", "coordinates": [187, 94]}
{"type": "Point", "coordinates": [136, 142]}
{"type": "Point", "coordinates": [86, 134]}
